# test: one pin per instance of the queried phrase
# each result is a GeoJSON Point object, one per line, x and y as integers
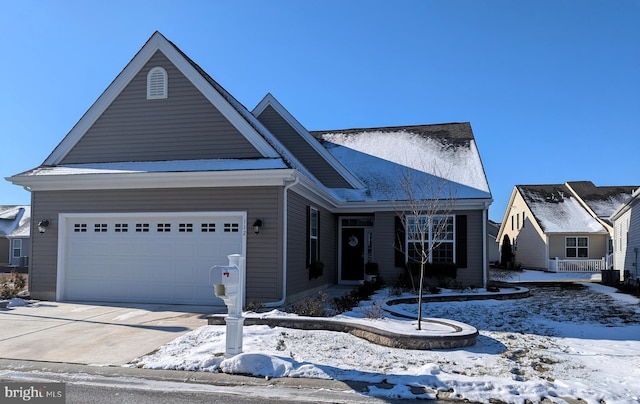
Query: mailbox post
{"type": "Point", "coordinates": [228, 284]}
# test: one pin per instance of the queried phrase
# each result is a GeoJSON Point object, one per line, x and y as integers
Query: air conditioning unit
{"type": "Point", "coordinates": [24, 261]}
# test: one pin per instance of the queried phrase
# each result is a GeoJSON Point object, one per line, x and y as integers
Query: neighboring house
{"type": "Point", "coordinates": [626, 241]}
{"type": "Point", "coordinates": [562, 226]}
{"type": "Point", "coordinates": [14, 235]}
{"type": "Point", "coordinates": [167, 174]}
{"type": "Point", "coordinates": [492, 241]}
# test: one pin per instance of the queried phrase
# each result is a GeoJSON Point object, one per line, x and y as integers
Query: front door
{"type": "Point", "coordinates": [356, 247]}
{"type": "Point", "coordinates": [353, 244]}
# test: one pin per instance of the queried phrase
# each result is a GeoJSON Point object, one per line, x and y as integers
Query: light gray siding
{"type": "Point", "coordinates": [471, 275]}
{"type": "Point", "coordinates": [181, 127]}
{"type": "Point", "coordinates": [632, 247]}
{"type": "Point", "coordinates": [264, 280]}
{"type": "Point", "coordinates": [298, 281]}
{"type": "Point", "coordinates": [311, 159]}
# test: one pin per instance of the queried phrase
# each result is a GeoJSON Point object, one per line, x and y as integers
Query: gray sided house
{"type": "Point", "coordinates": [167, 174]}
{"type": "Point", "coordinates": [626, 241]}
{"type": "Point", "coordinates": [14, 236]}
{"type": "Point", "coordinates": [552, 223]}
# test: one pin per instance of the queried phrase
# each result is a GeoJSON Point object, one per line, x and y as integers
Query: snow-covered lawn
{"type": "Point", "coordinates": [563, 342]}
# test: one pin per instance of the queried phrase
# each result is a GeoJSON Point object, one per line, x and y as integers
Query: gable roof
{"type": "Point", "coordinates": [15, 220]}
{"type": "Point", "coordinates": [557, 210]}
{"type": "Point", "coordinates": [286, 128]}
{"type": "Point", "coordinates": [603, 201]}
{"type": "Point", "coordinates": [380, 157]}
{"type": "Point", "coordinates": [222, 100]}
{"type": "Point", "coordinates": [342, 166]}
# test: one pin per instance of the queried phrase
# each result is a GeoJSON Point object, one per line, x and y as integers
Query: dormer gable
{"type": "Point", "coordinates": [303, 146]}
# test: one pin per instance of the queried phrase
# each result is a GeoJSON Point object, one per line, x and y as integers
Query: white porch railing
{"type": "Point", "coordinates": [583, 265]}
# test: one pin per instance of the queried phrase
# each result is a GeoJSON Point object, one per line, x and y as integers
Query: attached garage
{"type": "Point", "coordinates": [145, 257]}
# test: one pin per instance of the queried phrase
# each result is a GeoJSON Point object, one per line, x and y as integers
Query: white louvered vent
{"type": "Point", "coordinates": [157, 83]}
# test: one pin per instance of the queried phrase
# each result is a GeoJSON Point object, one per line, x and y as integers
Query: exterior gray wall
{"type": "Point", "coordinates": [627, 241]}
{"type": "Point", "coordinates": [264, 279]}
{"type": "Point", "coordinates": [472, 275]}
{"type": "Point", "coordinates": [26, 250]}
{"type": "Point", "coordinates": [315, 163]}
{"type": "Point", "coordinates": [631, 252]}
{"type": "Point", "coordinates": [184, 126]}
{"type": "Point", "coordinates": [4, 251]}
{"type": "Point", "coordinates": [298, 282]}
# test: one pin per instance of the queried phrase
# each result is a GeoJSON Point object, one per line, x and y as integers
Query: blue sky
{"type": "Point", "coordinates": [551, 87]}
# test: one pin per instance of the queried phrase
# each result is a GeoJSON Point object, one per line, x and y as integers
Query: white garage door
{"type": "Point", "coordinates": [150, 258]}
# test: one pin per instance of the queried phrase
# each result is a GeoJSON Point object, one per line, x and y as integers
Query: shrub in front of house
{"type": "Point", "coordinates": [12, 286]}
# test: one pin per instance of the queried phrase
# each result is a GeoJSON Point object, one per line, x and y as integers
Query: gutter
{"type": "Point", "coordinates": [285, 224]}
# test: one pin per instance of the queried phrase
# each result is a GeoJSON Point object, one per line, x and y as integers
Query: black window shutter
{"type": "Point", "coordinates": [399, 244]}
{"type": "Point", "coordinates": [461, 241]}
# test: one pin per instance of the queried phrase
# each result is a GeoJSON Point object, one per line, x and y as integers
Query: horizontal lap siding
{"type": "Point", "coordinates": [297, 273]}
{"type": "Point", "coordinates": [181, 127]}
{"type": "Point", "coordinates": [264, 280]}
{"type": "Point", "coordinates": [302, 150]}
{"type": "Point", "coordinates": [471, 275]}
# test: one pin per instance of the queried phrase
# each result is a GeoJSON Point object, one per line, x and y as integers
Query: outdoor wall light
{"type": "Point", "coordinates": [257, 225]}
{"type": "Point", "coordinates": [42, 225]}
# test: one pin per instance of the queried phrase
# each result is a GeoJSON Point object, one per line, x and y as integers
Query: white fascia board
{"type": "Point", "coordinates": [319, 195]}
{"type": "Point", "coordinates": [399, 206]}
{"type": "Point", "coordinates": [249, 178]}
{"type": "Point", "coordinates": [270, 100]}
{"type": "Point", "coordinates": [155, 43]}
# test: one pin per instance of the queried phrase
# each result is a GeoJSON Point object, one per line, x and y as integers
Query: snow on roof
{"type": "Point", "coordinates": [380, 158]}
{"type": "Point", "coordinates": [160, 166]}
{"type": "Point", "coordinates": [14, 217]}
{"type": "Point", "coordinates": [558, 212]}
{"type": "Point", "coordinates": [602, 200]}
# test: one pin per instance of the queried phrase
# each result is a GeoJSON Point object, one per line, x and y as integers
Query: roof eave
{"type": "Point", "coordinates": [147, 180]}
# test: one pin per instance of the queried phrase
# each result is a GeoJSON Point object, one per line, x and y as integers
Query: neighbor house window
{"type": "Point", "coordinates": [437, 236]}
{"type": "Point", "coordinates": [16, 246]}
{"type": "Point", "coordinates": [157, 86]}
{"type": "Point", "coordinates": [577, 247]}
{"type": "Point", "coordinates": [314, 224]}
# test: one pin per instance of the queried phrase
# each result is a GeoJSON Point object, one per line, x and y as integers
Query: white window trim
{"type": "Point", "coordinates": [429, 237]}
{"type": "Point", "coordinates": [314, 253]}
{"type": "Point", "coordinates": [576, 247]}
{"type": "Point", "coordinates": [16, 244]}
{"type": "Point", "coordinates": [153, 90]}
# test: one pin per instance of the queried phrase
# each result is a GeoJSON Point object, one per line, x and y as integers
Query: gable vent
{"type": "Point", "coordinates": [157, 83]}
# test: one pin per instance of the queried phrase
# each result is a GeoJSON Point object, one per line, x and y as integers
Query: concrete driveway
{"type": "Point", "coordinates": [94, 333]}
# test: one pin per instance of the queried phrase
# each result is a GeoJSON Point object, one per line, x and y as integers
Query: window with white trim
{"type": "Point", "coordinates": [577, 247]}
{"type": "Point", "coordinates": [157, 83]}
{"type": "Point", "coordinates": [314, 253]}
{"type": "Point", "coordinates": [16, 247]}
{"type": "Point", "coordinates": [437, 236]}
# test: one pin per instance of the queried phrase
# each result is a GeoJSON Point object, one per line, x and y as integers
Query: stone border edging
{"type": "Point", "coordinates": [463, 336]}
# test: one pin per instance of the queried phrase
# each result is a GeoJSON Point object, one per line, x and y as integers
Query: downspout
{"type": "Point", "coordinates": [285, 224]}
{"type": "Point", "coordinates": [485, 269]}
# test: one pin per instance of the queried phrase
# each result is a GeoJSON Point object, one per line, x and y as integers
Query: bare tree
{"type": "Point", "coordinates": [424, 208]}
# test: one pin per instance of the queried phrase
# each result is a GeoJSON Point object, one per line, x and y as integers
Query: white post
{"type": "Point", "coordinates": [234, 320]}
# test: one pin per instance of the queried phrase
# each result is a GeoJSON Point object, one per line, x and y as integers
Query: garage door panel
{"type": "Point", "coordinates": [147, 259]}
